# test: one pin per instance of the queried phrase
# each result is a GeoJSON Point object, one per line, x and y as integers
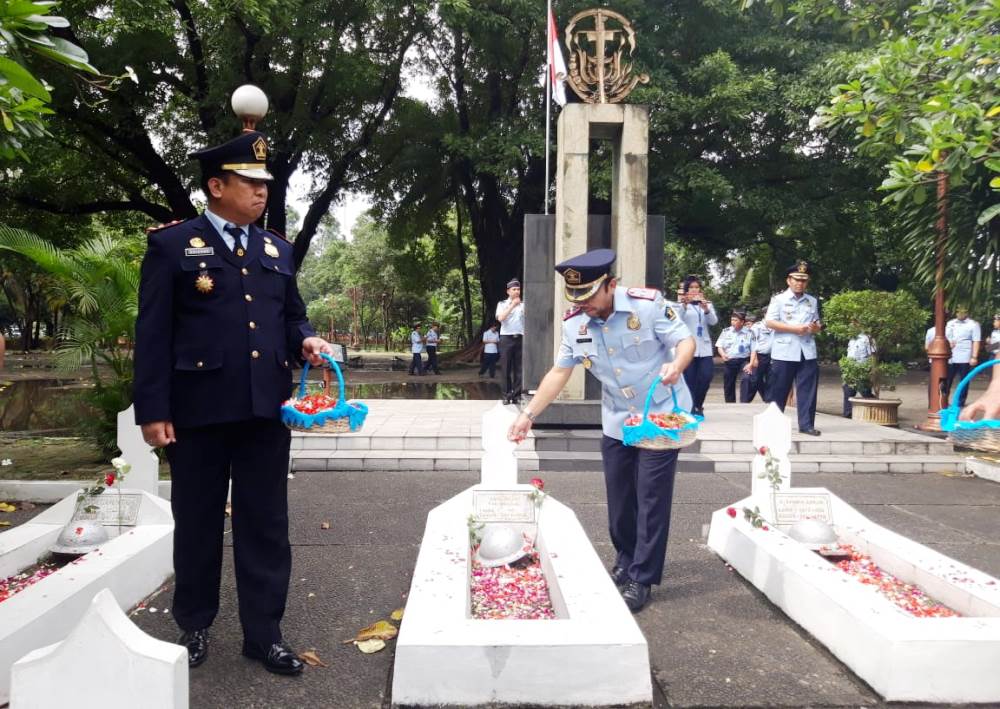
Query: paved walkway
{"type": "Point", "coordinates": [714, 640]}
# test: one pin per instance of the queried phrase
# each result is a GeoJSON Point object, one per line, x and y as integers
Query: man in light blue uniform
{"type": "Point", "coordinates": [625, 338]}
{"type": "Point", "coordinates": [860, 348]}
{"type": "Point", "coordinates": [761, 338]}
{"type": "Point", "coordinates": [416, 349]}
{"type": "Point", "coordinates": [698, 314]}
{"type": "Point", "coordinates": [794, 317]}
{"type": "Point", "coordinates": [965, 337]}
{"type": "Point", "coordinates": [734, 349]}
{"type": "Point", "coordinates": [431, 340]}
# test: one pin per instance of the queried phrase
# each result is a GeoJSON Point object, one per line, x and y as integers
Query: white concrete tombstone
{"type": "Point", "coordinates": [106, 662]}
{"type": "Point", "coordinates": [145, 472]}
{"type": "Point", "coordinates": [773, 430]}
{"type": "Point", "coordinates": [499, 469]}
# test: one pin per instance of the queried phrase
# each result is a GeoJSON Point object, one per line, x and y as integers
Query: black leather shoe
{"type": "Point", "coordinates": [636, 595]}
{"type": "Point", "coordinates": [811, 431]}
{"type": "Point", "coordinates": [196, 642]}
{"type": "Point", "coordinates": [619, 575]}
{"type": "Point", "coordinates": [278, 658]}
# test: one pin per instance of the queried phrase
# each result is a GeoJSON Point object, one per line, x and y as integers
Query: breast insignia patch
{"type": "Point", "coordinates": [571, 312]}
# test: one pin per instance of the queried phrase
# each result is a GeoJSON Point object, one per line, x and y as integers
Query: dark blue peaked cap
{"type": "Point", "coordinates": [245, 155]}
{"type": "Point", "coordinates": [585, 273]}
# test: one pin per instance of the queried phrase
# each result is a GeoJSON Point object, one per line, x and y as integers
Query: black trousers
{"type": "Point", "coordinates": [510, 360]}
{"type": "Point", "coordinates": [489, 362]}
{"type": "Point", "coordinates": [255, 454]}
{"type": "Point", "coordinates": [848, 393]}
{"type": "Point", "coordinates": [804, 374]}
{"type": "Point", "coordinates": [640, 489]}
{"type": "Point", "coordinates": [432, 360]}
{"type": "Point", "coordinates": [733, 370]}
{"type": "Point", "coordinates": [698, 377]}
{"type": "Point", "coordinates": [956, 370]}
{"type": "Point", "coordinates": [416, 364]}
{"type": "Point", "coordinates": [758, 382]}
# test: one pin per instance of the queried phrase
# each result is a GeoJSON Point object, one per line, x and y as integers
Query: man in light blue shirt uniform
{"type": "Point", "coordinates": [860, 348]}
{"type": "Point", "coordinates": [965, 337]}
{"type": "Point", "coordinates": [416, 349]}
{"type": "Point", "coordinates": [510, 313]}
{"type": "Point", "coordinates": [698, 314]}
{"type": "Point", "coordinates": [734, 349]}
{"type": "Point", "coordinates": [631, 340]}
{"type": "Point", "coordinates": [794, 317]}
{"type": "Point", "coordinates": [431, 340]}
{"type": "Point", "coordinates": [761, 337]}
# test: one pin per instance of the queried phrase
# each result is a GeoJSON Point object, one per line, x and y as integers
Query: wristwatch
{"type": "Point", "coordinates": [531, 415]}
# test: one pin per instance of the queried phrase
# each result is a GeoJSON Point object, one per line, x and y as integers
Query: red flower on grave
{"type": "Point", "coordinates": [764, 527]}
{"type": "Point", "coordinates": [731, 511]}
{"type": "Point", "coordinates": [538, 483]}
{"type": "Point", "coordinates": [109, 479]}
{"type": "Point", "coordinates": [79, 531]}
{"type": "Point", "coordinates": [762, 450]}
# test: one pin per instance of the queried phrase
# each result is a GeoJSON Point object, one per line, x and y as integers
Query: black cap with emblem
{"type": "Point", "coordinates": [245, 155]}
{"type": "Point", "coordinates": [799, 269]}
{"type": "Point", "coordinates": [585, 273]}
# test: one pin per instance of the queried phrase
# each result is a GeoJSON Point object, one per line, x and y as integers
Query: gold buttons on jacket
{"type": "Point", "coordinates": [199, 364]}
{"type": "Point", "coordinates": [255, 354]}
{"type": "Point", "coordinates": [253, 325]}
{"type": "Point", "coordinates": [248, 297]}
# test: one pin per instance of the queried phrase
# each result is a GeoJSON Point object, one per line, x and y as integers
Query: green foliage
{"type": "Point", "coordinates": [98, 289]}
{"type": "Point", "coordinates": [24, 99]}
{"type": "Point", "coordinates": [891, 320]}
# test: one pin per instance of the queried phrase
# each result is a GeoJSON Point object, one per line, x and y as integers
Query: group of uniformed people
{"type": "Point", "coordinates": [419, 344]}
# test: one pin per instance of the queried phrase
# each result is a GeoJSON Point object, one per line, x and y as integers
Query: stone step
{"type": "Point", "coordinates": [400, 459]}
{"type": "Point", "coordinates": [363, 442]}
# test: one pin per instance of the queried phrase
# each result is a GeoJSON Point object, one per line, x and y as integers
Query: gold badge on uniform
{"type": "Point", "coordinates": [239, 251]}
{"type": "Point", "coordinates": [204, 283]}
{"type": "Point", "coordinates": [197, 242]}
{"type": "Point", "coordinates": [271, 250]}
{"type": "Point", "coordinates": [587, 364]}
{"type": "Point", "coordinates": [633, 322]}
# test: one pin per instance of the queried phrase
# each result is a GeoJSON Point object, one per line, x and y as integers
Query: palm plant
{"type": "Point", "coordinates": [99, 289]}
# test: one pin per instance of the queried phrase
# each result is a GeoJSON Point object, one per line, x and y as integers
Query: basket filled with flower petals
{"type": "Point", "coordinates": [982, 435]}
{"type": "Point", "coordinates": [322, 413]}
{"type": "Point", "coordinates": [661, 431]}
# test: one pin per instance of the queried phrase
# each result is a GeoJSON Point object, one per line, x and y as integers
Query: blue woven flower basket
{"type": "Point", "coordinates": [346, 416]}
{"type": "Point", "coordinates": [647, 434]}
{"type": "Point", "coordinates": [983, 435]}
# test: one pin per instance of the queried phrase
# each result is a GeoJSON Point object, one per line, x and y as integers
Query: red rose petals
{"type": "Point", "coordinates": [313, 403]}
{"type": "Point", "coordinates": [18, 582]}
{"type": "Point", "coordinates": [661, 420]}
{"type": "Point", "coordinates": [511, 593]}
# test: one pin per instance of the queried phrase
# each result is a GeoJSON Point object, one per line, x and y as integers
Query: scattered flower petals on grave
{"type": "Point", "coordinates": [517, 592]}
{"type": "Point", "coordinates": [18, 582]}
{"type": "Point", "coordinates": [906, 596]}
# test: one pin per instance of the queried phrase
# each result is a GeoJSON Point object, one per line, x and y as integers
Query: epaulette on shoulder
{"type": "Point", "coordinates": [643, 293]}
{"type": "Point", "coordinates": [571, 312]}
{"type": "Point", "coordinates": [277, 233]}
{"type": "Point", "coordinates": [161, 227]}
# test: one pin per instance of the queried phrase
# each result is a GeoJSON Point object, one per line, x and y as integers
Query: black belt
{"type": "Point", "coordinates": [515, 337]}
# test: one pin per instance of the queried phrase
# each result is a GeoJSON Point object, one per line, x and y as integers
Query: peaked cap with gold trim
{"type": "Point", "coordinates": [585, 273]}
{"type": "Point", "coordinates": [799, 269]}
{"type": "Point", "coordinates": [245, 155]}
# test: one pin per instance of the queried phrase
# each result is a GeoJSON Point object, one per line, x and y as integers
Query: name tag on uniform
{"type": "Point", "coordinates": [203, 251]}
{"type": "Point", "coordinates": [584, 339]}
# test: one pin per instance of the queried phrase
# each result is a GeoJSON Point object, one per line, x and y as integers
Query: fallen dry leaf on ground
{"type": "Point", "coordinates": [383, 630]}
{"type": "Point", "coordinates": [324, 525]}
{"type": "Point", "coordinates": [371, 645]}
{"type": "Point", "coordinates": [7, 507]}
{"type": "Point", "coordinates": [4, 524]}
{"type": "Point", "coordinates": [312, 659]}
{"type": "Point", "coordinates": [397, 614]}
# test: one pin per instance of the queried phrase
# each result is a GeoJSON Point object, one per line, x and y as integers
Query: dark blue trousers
{"type": "Point", "coordinates": [733, 371]}
{"type": "Point", "coordinates": [698, 377]}
{"type": "Point", "coordinates": [255, 454]}
{"type": "Point", "coordinates": [804, 374]}
{"type": "Point", "coordinates": [416, 364]}
{"type": "Point", "coordinates": [758, 382]}
{"type": "Point", "coordinates": [640, 489]}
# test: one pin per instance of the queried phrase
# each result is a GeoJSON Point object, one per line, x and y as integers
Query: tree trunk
{"type": "Point", "coordinates": [466, 294]}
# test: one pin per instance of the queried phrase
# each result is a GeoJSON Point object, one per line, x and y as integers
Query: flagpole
{"type": "Point", "coordinates": [548, 96]}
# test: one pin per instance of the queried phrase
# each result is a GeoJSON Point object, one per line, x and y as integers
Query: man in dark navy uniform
{"type": "Point", "coordinates": [220, 325]}
{"type": "Point", "coordinates": [631, 340]}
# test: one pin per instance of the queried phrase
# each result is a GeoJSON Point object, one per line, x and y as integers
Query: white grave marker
{"type": "Point", "coordinates": [499, 463]}
{"type": "Point", "coordinates": [145, 472]}
{"type": "Point", "coordinates": [771, 429]}
{"type": "Point", "coordinates": [106, 662]}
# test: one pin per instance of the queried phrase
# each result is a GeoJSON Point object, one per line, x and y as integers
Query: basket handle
{"type": "Point", "coordinates": [342, 396]}
{"type": "Point", "coordinates": [949, 415]}
{"type": "Point", "coordinates": [649, 398]}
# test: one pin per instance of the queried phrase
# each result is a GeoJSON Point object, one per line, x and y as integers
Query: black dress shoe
{"type": "Point", "coordinates": [811, 431]}
{"type": "Point", "coordinates": [278, 658]}
{"type": "Point", "coordinates": [636, 595]}
{"type": "Point", "coordinates": [196, 642]}
{"type": "Point", "coordinates": [619, 575]}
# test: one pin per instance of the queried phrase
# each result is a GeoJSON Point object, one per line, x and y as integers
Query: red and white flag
{"type": "Point", "coordinates": [557, 67]}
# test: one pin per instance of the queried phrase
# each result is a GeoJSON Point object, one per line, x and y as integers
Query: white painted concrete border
{"type": "Point", "coordinates": [902, 657]}
{"type": "Point", "coordinates": [49, 491]}
{"type": "Point", "coordinates": [594, 655]}
{"type": "Point", "coordinates": [131, 565]}
{"type": "Point", "coordinates": [983, 469]}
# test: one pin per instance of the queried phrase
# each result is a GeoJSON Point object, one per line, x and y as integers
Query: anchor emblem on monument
{"type": "Point", "coordinates": [601, 43]}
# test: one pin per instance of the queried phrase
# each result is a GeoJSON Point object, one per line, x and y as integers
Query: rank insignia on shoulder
{"type": "Point", "coordinates": [571, 312]}
{"type": "Point", "coordinates": [644, 293]}
{"type": "Point", "coordinates": [277, 233]}
{"type": "Point", "coordinates": [158, 227]}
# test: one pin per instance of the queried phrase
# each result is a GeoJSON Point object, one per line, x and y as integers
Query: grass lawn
{"type": "Point", "coordinates": [51, 458]}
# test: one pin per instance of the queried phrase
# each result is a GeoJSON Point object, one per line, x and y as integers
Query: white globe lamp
{"type": "Point", "coordinates": [250, 104]}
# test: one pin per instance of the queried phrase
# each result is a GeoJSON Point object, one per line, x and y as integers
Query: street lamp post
{"type": "Point", "coordinates": [939, 351]}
